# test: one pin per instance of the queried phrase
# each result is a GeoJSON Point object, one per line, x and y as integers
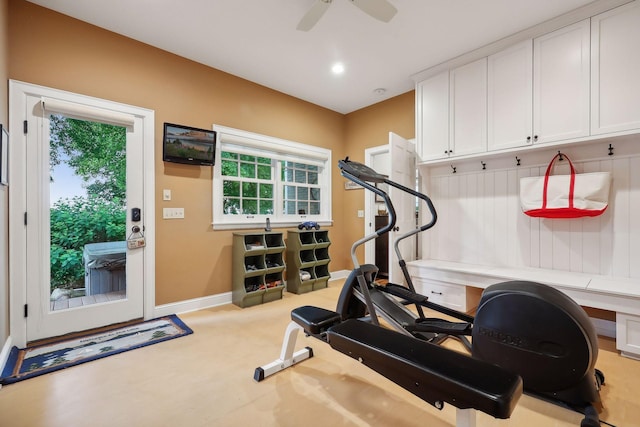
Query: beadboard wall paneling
{"type": "Point", "coordinates": [480, 220]}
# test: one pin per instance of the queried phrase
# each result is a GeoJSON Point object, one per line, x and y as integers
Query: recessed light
{"type": "Point", "coordinates": [337, 68]}
{"type": "Point", "coordinates": [379, 91]}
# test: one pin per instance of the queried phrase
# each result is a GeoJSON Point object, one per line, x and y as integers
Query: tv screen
{"type": "Point", "coordinates": [184, 144]}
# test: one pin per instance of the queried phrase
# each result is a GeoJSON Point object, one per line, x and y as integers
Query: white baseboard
{"type": "Point", "coordinates": [340, 274]}
{"type": "Point", "coordinates": [192, 305]}
{"type": "Point", "coordinates": [4, 354]}
{"type": "Point", "coordinates": [214, 300]}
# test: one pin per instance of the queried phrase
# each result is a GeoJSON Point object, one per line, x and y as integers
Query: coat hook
{"type": "Point", "coordinates": [454, 169]}
{"type": "Point", "coordinates": [560, 158]}
{"type": "Point", "coordinates": [484, 165]}
{"type": "Point", "coordinates": [610, 150]}
{"type": "Point", "coordinates": [517, 161]}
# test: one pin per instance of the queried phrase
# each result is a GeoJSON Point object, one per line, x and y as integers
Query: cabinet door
{"type": "Point", "coordinates": [509, 97]}
{"type": "Point", "coordinates": [447, 294]}
{"type": "Point", "coordinates": [561, 84]}
{"type": "Point", "coordinates": [615, 61]}
{"type": "Point", "coordinates": [468, 109]}
{"type": "Point", "coordinates": [432, 110]}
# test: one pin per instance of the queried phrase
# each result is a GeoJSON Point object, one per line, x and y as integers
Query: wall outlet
{"type": "Point", "coordinates": [360, 213]}
{"type": "Point", "coordinates": [173, 213]}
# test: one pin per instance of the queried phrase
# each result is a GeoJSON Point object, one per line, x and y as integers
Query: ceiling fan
{"type": "Point", "coordinates": [378, 9]}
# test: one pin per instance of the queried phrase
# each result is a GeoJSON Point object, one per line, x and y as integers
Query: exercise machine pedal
{"type": "Point", "coordinates": [404, 293]}
{"type": "Point", "coordinates": [440, 326]}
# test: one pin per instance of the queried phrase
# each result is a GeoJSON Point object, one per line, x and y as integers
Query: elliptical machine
{"type": "Point", "coordinates": [528, 328]}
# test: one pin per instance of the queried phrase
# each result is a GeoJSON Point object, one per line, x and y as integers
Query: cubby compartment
{"type": "Point", "coordinates": [321, 271]}
{"type": "Point", "coordinates": [274, 287]}
{"type": "Point", "coordinates": [253, 242]}
{"type": "Point", "coordinates": [321, 238]}
{"type": "Point", "coordinates": [258, 264]}
{"type": "Point", "coordinates": [253, 284]}
{"type": "Point", "coordinates": [274, 241]}
{"type": "Point", "coordinates": [273, 280]}
{"type": "Point", "coordinates": [307, 250]}
{"type": "Point", "coordinates": [321, 254]}
{"type": "Point", "coordinates": [254, 264]}
{"type": "Point", "coordinates": [307, 279]}
{"type": "Point", "coordinates": [306, 238]}
{"type": "Point", "coordinates": [274, 261]}
{"type": "Point", "coordinates": [322, 275]}
{"type": "Point", "coordinates": [306, 256]}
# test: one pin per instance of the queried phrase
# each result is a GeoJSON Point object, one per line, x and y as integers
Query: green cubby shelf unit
{"type": "Point", "coordinates": [307, 260]}
{"type": "Point", "coordinates": [258, 265]}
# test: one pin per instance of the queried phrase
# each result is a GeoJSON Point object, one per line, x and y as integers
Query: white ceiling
{"type": "Point", "coordinates": [258, 41]}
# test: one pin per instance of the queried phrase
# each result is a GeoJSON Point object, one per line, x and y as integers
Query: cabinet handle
{"type": "Point", "coordinates": [535, 138]}
{"type": "Point", "coordinates": [436, 293]}
{"type": "Point", "coordinates": [528, 139]}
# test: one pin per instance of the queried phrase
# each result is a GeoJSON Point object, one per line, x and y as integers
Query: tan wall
{"type": "Point", "coordinates": [370, 127]}
{"type": "Point", "coordinates": [192, 260]}
{"type": "Point", "coordinates": [4, 193]}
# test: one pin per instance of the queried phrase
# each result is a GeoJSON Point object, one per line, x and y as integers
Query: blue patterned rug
{"type": "Point", "coordinates": [42, 359]}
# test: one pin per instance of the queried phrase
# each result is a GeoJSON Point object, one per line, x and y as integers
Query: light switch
{"type": "Point", "coordinates": [166, 194]}
{"type": "Point", "coordinates": [172, 213]}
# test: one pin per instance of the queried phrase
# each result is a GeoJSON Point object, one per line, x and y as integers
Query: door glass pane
{"type": "Point", "coordinates": [87, 175]}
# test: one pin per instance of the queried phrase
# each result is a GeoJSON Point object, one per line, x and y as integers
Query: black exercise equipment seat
{"type": "Point", "coordinates": [314, 320]}
{"type": "Point", "coordinates": [431, 372]}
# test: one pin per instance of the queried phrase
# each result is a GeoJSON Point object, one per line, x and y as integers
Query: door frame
{"type": "Point", "coordinates": [18, 200]}
{"type": "Point", "coordinates": [370, 208]}
{"type": "Point", "coordinates": [369, 204]}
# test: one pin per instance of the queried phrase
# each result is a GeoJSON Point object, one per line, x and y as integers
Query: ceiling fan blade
{"type": "Point", "coordinates": [379, 9]}
{"type": "Point", "coordinates": [313, 15]}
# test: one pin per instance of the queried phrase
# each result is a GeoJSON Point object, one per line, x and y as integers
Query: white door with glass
{"type": "Point", "coordinates": [85, 218]}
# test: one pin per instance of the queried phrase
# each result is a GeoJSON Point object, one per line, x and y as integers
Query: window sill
{"type": "Point", "coordinates": [262, 224]}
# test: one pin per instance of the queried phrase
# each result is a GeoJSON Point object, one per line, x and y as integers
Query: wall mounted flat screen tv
{"type": "Point", "coordinates": [192, 146]}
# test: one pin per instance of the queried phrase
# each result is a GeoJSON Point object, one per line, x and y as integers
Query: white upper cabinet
{"type": "Point", "coordinates": [432, 117]}
{"type": "Point", "coordinates": [615, 70]}
{"type": "Point", "coordinates": [468, 109]}
{"type": "Point", "coordinates": [539, 92]}
{"type": "Point", "coordinates": [452, 112]}
{"type": "Point", "coordinates": [577, 83]}
{"type": "Point", "coordinates": [561, 84]}
{"type": "Point", "coordinates": [509, 97]}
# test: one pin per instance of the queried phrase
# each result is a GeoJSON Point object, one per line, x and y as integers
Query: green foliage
{"type": "Point", "coordinates": [75, 223]}
{"type": "Point", "coordinates": [95, 151]}
{"type": "Point", "coordinates": [247, 197]}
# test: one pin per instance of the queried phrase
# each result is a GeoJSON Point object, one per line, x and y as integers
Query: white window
{"type": "Point", "coordinates": [258, 177]}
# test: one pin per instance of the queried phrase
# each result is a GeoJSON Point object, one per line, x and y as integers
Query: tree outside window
{"type": "Point", "coordinates": [96, 153]}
